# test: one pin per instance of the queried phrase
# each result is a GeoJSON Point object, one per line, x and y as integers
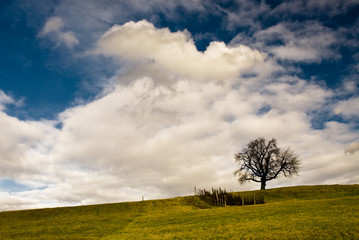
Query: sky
{"type": "Point", "coordinates": [108, 101]}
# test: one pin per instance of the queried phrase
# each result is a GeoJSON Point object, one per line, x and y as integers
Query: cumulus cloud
{"type": "Point", "coordinates": [56, 25]}
{"type": "Point", "coordinates": [295, 93]}
{"type": "Point", "coordinates": [348, 108]}
{"type": "Point", "coordinates": [177, 51]}
{"type": "Point", "coordinates": [352, 148]}
{"type": "Point", "coordinates": [21, 143]}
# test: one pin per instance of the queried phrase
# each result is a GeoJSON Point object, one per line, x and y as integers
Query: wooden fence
{"type": "Point", "coordinates": [220, 197]}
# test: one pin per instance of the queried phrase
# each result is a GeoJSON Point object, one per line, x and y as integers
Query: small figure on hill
{"type": "Point", "coordinates": [262, 161]}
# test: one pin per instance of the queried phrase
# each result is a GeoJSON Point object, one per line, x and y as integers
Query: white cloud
{"type": "Point", "coordinates": [68, 38]}
{"type": "Point", "coordinates": [294, 93]}
{"type": "Point", "coordinates": [348, 108]}
{"type": "Point", "coordinates": [23, 145]}
{"type": "Point", "coordinates": [352, 148]}
{"type": "Point", "coordinates": [314, 7]}
{"type": "Point", "coordinates": [245, 14]}
{"type": "Point", "coordinates": [5, 99]}
{"type": "Point", "coordinates": [309, 42]}
{"type": "Point", "coordinates": [177, 51]}
{"type": "Point", "coordinates": [56, 25]}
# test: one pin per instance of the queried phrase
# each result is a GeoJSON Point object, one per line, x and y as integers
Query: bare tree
{"type": "Point", "coordinates": [262, 161]}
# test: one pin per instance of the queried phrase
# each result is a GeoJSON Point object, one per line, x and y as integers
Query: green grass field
{"type": "Point", "coordinates": [305, 212]}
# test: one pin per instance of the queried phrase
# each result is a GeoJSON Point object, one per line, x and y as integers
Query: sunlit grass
{"type": "Point", "coordinates": [312, 212]}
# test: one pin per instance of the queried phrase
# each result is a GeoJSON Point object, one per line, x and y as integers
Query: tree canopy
{"type": "Point", "coordinates": [262, 161]}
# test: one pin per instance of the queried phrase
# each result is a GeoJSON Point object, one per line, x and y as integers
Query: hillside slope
{"type": "Point", "coordinates": [304, 212]}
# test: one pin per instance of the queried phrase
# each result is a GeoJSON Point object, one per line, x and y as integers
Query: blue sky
{"type": "Point", "coordinates": [154, 97]}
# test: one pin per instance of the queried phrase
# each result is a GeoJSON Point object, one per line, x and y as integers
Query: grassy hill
{"type": "Point", "coordinates": [304, 212]}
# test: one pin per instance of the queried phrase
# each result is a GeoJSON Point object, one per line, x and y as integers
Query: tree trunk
{"type": "Point", "coordinates": [263, 184]}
